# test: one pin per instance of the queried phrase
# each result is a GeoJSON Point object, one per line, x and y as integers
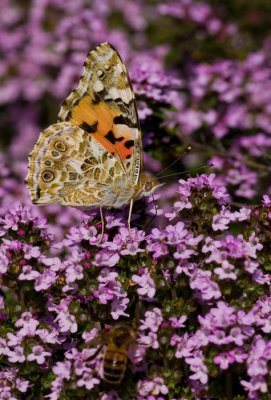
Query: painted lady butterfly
{"type": "Point", "coordinates": [92, 157]}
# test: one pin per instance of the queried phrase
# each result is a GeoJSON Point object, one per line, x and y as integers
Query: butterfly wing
{"type": "Point", "coordinates": [104, 106]}
{"type": "Point", "coordinates": [68, 167]}
{"type": "Point", "coordinates": [96, 142]}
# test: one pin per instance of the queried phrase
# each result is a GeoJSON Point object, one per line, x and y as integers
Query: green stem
{"type": "Point", "coordinates": [229, 385]}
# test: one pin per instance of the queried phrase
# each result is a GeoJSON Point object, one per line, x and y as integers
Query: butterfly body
{"type": "Point", "coordinates": [92, 157]}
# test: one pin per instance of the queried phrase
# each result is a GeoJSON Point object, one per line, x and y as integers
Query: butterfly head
{"type": "Point", "coordinates": [147, 185]}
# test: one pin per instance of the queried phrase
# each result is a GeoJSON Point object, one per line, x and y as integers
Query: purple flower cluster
{"type": "Point", "coordinates": [152, 86]}
{"type": "Point", "coordinates": [198, 301]}
{"type": "Point", "coordinates": [239, 95]}
{"type": "Point", "coordinates": [200, 13]}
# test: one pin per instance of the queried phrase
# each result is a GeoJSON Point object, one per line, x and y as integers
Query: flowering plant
{"type": "Point", "coordinates": [193, 283]}
{"type": "Point", "coordinates": [198, 299]}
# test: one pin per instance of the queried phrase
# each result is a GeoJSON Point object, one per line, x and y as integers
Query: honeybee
{"type": "Point", "coordinates": [116, 346]}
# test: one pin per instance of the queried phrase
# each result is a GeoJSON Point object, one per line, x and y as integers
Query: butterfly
{"type": "Point", "coordinates": [92, 157]}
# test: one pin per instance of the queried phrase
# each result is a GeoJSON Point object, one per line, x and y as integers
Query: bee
{"type": "Point", "coordinates": [116, 347]}
{"type": "Point", "coordinates": [119, 339]}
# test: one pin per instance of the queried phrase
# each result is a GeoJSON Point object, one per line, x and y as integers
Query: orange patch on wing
{"type": "Point", "coordinates": [87, 112]}
{"type": "Point", "coordinates": [125, 132]}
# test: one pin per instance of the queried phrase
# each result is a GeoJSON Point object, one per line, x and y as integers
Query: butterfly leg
{"type": "Point", "coordinates": [103, 225]}
{"type": "Point", "coordinates": [130, 215]}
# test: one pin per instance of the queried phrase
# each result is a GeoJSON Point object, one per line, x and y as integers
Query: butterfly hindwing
{"type": "Point", "coordinates": [68, 167]}
{"type": "Point", "coordinates": [104, 106]}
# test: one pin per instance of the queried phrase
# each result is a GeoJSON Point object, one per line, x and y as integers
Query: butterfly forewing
{"type": "Point", "coordinates": [104, 106]}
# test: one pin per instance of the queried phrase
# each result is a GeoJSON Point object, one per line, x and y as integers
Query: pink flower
{"type": "Point", "coordinates": [107, 259]}
{"type": "Point", "coordinates": [184, 348]}
{"type": "Point", "coordinates": [237, 336]}
{"type": "Point", "coordinates": [266, 200]}
{"type": "Point", "coordinates": [152, 387]}
{"type": "Point", "coordinates": [45, 280]}
{"type": "Point", "coordinates": [16, 355]}
{"type": "Point", "coordinates": [149, 340]}
{"type": "Point", "coordinates": [152, 321]}
{"type": "Point", "coordinates": [62, 369]}
{"type": "Point", "coordinates": [146, 282]}
{"type": "Point", "coordinates": [224, 360]}
{"type": "Point", "coordinates": [38, 354]}
{"type": "Point", "coordinates": [3, 347]}
{"type": "Point", "coordinates": [88, 381]}
{"type": "Point", "coordinates": [178, 322]}
{"type": "Point", "coordinates": [22, 385]}
{"type": "Point", "coordinates": [67, 322]}
{"type": "Point", "coordinates": [204, 286]}
{"type": "Point", "coordinates": [28, 273]}
{"type": "Point", "coordinates": [49, 336]}
{"type": "Point", "coordinates": [158, 249]}
{"type": "Point", "coordinates": [27, 321]}
{"type": "Point", "coordinates": [254, 385]}
{"type": "Point", "coordinates": [118, 307]}
{"type": "Point", "coordinates": [4, 262]}
{"type": "Point", "coordinates": [88, 336]}
{"type": "Point", "coordinates": [74, 272]}
{"type": "Point", "coordinates": [226, 271]}
{"type": "Point", "coordinates": [198, 367]}
{"type": "Point", "coordinates": [222, 220]}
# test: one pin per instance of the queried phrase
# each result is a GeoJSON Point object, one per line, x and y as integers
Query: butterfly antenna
{"type": "Point", "coordinates": [189, 171]}
{"type": "Point", "coordinates": [174, 162]}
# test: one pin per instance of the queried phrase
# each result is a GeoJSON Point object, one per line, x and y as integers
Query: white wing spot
{"type": "Point", "coordinates": [118, 68]}
{"type": "Point", "coordinates": [100, 72]}
{"type": "Point", "coordinates": [106, 67]}
{"type": "Point", "coordinates": [98, 86]}
{"type": "Point", "coordinates": [126, 95]}
{"type": "Point", "coordinates": [114, 93]}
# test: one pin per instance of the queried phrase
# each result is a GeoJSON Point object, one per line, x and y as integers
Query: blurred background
{"type": "Point", "coordinates": [201, 71]}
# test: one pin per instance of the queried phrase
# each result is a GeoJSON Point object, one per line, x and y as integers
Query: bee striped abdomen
{"type": "Point", "coordinates": [114, 364]}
